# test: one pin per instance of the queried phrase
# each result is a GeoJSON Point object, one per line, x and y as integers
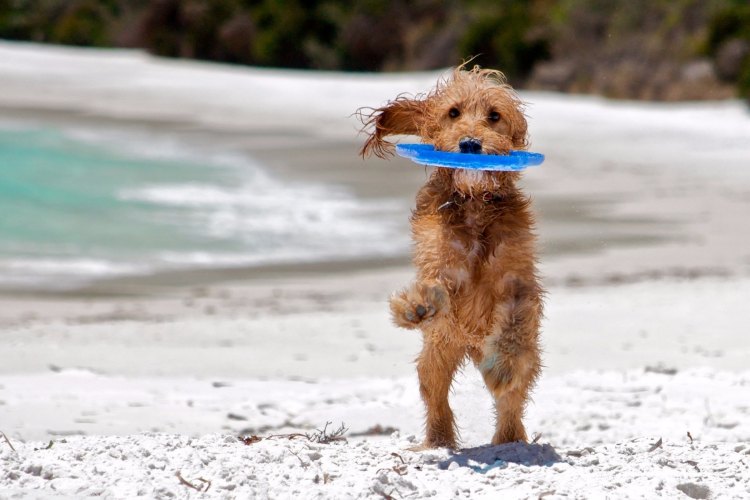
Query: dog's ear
{"type": "Point", "coordinates": [519, 130]}
{"type": "Point", "coordinates": [401, 116]}
{"type": "Point", "coordinates": [511, 109]}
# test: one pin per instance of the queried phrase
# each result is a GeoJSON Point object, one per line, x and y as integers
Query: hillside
{"type": "Point", "coordinates": [652, 50]}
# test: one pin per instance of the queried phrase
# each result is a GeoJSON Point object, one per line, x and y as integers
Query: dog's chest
{"type": "Point", "coordinates": [461, 266]}
{"type": "Point", "coordinates": [468, 247]}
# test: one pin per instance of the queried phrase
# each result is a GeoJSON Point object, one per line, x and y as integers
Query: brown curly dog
{"type": "Point", "coordinates": [476, 294]}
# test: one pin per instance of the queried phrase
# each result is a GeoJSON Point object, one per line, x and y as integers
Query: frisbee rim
{"type": "Point", "coordinates": [425, 154]}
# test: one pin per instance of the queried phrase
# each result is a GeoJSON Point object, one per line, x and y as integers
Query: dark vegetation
{"type": "Point", "coordinates": [643, 49]}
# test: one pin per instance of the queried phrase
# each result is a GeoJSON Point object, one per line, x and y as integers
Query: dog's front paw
{"type": "Point", "coordinates": [417, 304]}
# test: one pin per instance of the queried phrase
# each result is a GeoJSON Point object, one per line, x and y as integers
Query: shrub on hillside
{"type": "Point", "coordinates": [83, 22]}
{"type": "Point", "coordinates": [502, 35]}
{"type": "Point", "coordinates": [729, 44]}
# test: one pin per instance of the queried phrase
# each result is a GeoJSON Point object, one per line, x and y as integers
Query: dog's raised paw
{"type": "Point", "coordinates": [417, 304]}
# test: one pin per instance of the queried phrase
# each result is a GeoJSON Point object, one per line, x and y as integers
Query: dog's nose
{"type": "Point", "coordinates": [470, 145]}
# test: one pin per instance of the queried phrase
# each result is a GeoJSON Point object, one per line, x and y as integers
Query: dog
{"type": "Point", "coordinates": [477, 293]}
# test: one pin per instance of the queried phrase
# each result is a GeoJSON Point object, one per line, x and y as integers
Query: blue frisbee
{"type": "Point", "coordinates": [425, 154]}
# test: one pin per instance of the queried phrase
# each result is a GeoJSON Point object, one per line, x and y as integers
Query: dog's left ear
{"type": "Point", "coordinates": [519, 129]}
{"type": "Point", "coordinates": [403, 116]}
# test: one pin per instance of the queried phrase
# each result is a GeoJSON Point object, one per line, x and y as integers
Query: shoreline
{"type": "Point", "coordinates": [166, 282]}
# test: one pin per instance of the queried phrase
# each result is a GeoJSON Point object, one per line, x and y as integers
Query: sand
{"type": "Point", "coordinates": [136, 379]}
{"type": "Point", "coordinates": [624, 435]}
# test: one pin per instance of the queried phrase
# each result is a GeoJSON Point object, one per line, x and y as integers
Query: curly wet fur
{"type": "Point", "coordinates": [477, 294]}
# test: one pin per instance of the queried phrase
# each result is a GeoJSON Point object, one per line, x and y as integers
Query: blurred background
{"type": "Point", "coordinates": [640, 49]}
{"type": "Point", "coordinates": [189, 139]}
{"type": "Point", "coordinates": [253, 162]}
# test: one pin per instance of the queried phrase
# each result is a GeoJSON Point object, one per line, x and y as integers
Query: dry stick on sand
{"type": "Point", "coordinates": [655, 445]}
{"type": "Point", "coordinates": [191, 485]}
{"type": "Point", "coordinates": [7, 441]}
{"type": "Point", "coordinates": [304, 464]}
{"type": "Point", "coordinates": [206, 482]}
{"type": "Point", "coordinates": [321, 436]}
{"type": "Point", "coordinates": [324, 437]}
{"type": "Point", "coordinates": [401, 469]}
{"type": "Point", "coordinates": [250, 440]}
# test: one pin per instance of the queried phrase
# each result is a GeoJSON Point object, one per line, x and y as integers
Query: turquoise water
{"type": "Point", "coordinates": [62, 197]}
{"type": "Point", "coordinates": [73, 210]}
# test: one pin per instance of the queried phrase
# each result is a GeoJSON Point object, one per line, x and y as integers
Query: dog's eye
{"type": "Point", "coordinates": [494, 116]}
{"type": "Point", "coordinates": [454, 112]}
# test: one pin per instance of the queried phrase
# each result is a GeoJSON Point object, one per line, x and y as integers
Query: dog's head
{"type": "Point", "coordinates": [472, 111]}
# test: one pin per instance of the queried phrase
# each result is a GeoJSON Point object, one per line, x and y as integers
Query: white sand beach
{"type": "Point", "coordinates": [114, 386]}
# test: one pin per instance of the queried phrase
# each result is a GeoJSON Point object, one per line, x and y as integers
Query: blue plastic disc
{"type": "Point", "coordinates": [425, 154]}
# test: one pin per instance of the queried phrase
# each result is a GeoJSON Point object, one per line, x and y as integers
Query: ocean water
{"type": "Point", "coordinates": [82, 205]}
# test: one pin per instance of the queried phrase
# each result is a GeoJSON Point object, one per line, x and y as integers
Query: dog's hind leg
{"type": "Point", "coordinates": [509, 360]}
{"type": "Point", "coordinates": [436, 366]}
{"type": "Point", "coordinates": [510, 407]}
{"type": "Point", "coordinates": [509, 378]}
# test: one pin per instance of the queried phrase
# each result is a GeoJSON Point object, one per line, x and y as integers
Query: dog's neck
{"type": "Point", "coordinates": [447, 192]}
{"type": "Point", "coordinates": [478, 184]}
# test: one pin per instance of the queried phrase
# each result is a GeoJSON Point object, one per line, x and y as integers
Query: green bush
{"type": "Point", "coordinates": [586, 36]}
{"type": "Point", "coordinates": [84, 23]}
{"type": "Point", "coordinates": [499, 36]}
{"type": "Point", "coordinates": [281, 30]}
{"type": "Point", "coordinates": [743, 84]}
{"type": "Point", "coordinates": [732, 23]}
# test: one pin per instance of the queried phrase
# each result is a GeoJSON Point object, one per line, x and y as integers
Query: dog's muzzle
{"type": "Point", "coordinates": [470, 145]}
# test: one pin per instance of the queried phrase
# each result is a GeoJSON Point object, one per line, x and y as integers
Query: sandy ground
{"type": "Point", "coordinates": [113, 389]}
{"type": "Point", "coordinates": [631, 434]}
{"type": "Point", "coordinates": [339, 327]}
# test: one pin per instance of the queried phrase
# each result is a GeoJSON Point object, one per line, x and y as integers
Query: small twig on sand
{"type": "Point", "coordinates": [49, 445]}
{"type": "Point", "coordinates": [326, 478]}
{"type": "Point", "coordinates": [537, 436]}
{"type": "Point", "coordinates": [7, 441]}
{"type": "Point", "coordinates": [401, 469]}
{"type": "Point", "coordinates": [693, 463]}
{"type": "Point", "coordinates": [206, 482]}
{"type": "Point", "coordinates": [655, 445]}
{"type": "Point", "coordinates": [248, 440]}
{"type": "Point", "coordinates": [387, 496]}
{"type": "Point", "coordinates": [322, 436]}
{"type": "Point", "coordinates": [304, 465]}
{"type": "Point", "coordinates": [191, 485]}
{"type": "Point", "coordinates": [690, 437]}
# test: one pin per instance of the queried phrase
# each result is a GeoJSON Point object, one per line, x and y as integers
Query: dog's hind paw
{"type": "Point", "coordinates": [417, 304]}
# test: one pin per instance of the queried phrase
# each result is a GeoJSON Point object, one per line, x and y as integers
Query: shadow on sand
{"type": "Point", "coordinates": [485, 458]}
